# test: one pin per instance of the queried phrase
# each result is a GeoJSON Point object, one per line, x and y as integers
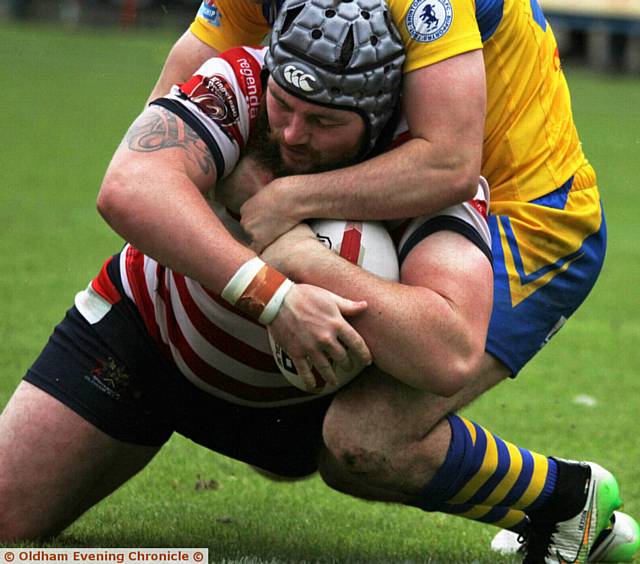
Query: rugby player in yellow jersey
{"type": "Point", "coordinates": [484, 94]}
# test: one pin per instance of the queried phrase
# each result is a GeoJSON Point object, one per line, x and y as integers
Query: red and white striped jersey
{"type": "Point", "coordinates": [215, 346]}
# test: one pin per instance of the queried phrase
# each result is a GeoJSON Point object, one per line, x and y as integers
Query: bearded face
{"type": "Point", "coordinates": [292, 136]}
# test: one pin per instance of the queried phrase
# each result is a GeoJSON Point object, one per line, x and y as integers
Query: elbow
{"type": "Point", "coordinates": [111, 202]}
{"type": "Point", "coordinates": [104, 204]}
{"type": "Point", "coordinates": [451, 372]}
{"type": "Point", "coordinates": [464, 167]}
{"type": "Point", "coordinates": [465, 183]}
{"type": "Point", "coordinates": [459, 374]}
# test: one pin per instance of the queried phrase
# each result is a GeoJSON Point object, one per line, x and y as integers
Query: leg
{"type": "Point", "coordinates": [54, 465]}
{"type": "Point", "coordinates": [388, 442]}
{"type": "Point", "coordinates": [385, 440]}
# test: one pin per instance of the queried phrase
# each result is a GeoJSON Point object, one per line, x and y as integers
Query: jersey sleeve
{"type": "Point", "coordinates": [220, 102]}
{"type": "Point", "coordinates": [469, 219]}
{"type": "Point", "coordinates": [223, 24]}
{"type": "Point", "coordinates": [435, 30]}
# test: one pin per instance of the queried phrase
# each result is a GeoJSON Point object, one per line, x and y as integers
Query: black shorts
{"type": "Point", "coordinates": [112, 374]}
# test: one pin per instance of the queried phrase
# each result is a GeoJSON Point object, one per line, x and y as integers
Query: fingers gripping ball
{"type": "Point", "coordinates": [364, 243]}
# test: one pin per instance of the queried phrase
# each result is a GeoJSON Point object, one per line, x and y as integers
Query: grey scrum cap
{"type": "Point", "coordinates": [345, 54]}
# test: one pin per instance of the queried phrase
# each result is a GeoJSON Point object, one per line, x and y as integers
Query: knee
{"type": "Point", "coordinates": [332, 473]}
{"type": "Point", "coordinates": [347, 469]}
{"type": "Point", "coordinates": [348, 456]}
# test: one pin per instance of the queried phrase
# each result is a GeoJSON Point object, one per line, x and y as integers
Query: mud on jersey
{"type": "Point", "coordinates": [215, 346]}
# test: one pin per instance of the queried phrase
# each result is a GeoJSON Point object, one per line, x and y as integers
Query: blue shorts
{"type": "Point", "coordinates": [112, 374]}
{"type": "Point", "coordinates": [547, 256]}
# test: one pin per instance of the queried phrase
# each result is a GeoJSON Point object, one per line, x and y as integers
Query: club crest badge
{"type": "Point", "coordinates": [217, 99]}
{"type": "Point", "coordinates": [428, 20]}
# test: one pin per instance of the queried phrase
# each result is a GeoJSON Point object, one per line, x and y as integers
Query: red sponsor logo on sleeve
{"type": "Point", "coordinates": [247, 70]}
{"type": "Point", "coordinates": [216, 98]}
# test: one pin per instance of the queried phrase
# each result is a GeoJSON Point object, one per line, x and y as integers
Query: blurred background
{"type": "Point", "coordinates": [602, 34]}
{"type": "Point", "coordinates": [175, 14]}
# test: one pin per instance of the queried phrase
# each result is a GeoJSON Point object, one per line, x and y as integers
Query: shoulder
{"type": "Point", "coordinates": [220, 102]}
{"type": "Point", "coordinates": [237, 62]}
{"type": "Point", "coordinates": [434, 30]}
{"type": "Point", "coordinates": [222, 24]}
{"type": "Point", "coordinates": [468, 219]}
{"type": "Point", "coordinates": [244, 61]}
{"type": "Point", "coordinates": [246, 64]}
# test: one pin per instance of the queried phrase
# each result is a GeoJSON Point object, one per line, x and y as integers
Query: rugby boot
{"type": "Point", "coordinates": [559, 533]}
{"type": "Point", "coordinates": [619, 542]}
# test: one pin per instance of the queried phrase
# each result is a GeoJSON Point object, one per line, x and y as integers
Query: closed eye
{"type": "Point", "coordinates": [280, 102]}
{"type": "Point", "coordinates": [327, 122]}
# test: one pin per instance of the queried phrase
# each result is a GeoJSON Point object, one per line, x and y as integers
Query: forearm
{"type": "Point", "coordinates": [161, 212]}
{"type": "Point", "coordinates": [414, 179]}
{"type": "Point", "coordinates": [415, 334]}
{"type": "Point", "coordinates": [438, 167]}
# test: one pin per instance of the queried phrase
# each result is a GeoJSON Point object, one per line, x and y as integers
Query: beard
{"type": "Point", "coordinates": [264, 147]}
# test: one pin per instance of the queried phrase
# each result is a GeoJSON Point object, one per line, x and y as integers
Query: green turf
{"type": "Point", "coordinates": [68, 98]}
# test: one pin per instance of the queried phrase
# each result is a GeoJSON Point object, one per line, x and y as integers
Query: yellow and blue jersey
{"type": "Point", "coordinates": [531, 146]}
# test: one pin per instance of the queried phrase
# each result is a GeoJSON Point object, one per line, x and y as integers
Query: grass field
{"type": "Point", "coordinates": [68, 97]}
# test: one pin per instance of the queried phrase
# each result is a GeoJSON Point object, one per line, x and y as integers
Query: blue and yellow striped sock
{"type": "Point", "coordinates": [503, 517]}
{"type": "Point", "coordinates": [485, 478]}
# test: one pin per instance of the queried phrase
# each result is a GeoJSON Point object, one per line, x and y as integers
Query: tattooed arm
{"type": "Point", "coordinates": [153, 196]}
{"type": "Point", "coordinates": [160, 129]}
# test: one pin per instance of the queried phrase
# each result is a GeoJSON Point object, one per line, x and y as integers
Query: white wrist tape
{"type": "Point", "coordinates": [241, 279]}
{"type": "Point", "coordinates": [275, 303]}
{"type": "Point", "coordinates": [257, 290]}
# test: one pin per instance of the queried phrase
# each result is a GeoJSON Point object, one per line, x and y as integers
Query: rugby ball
{"type": "Point", "coordinates": [364, 243]}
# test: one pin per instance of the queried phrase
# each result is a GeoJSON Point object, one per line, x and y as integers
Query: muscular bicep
{"type": "Point", "coordinates": [455, 268]}
{"type": "Point", "coordinates": [444, 104]}
{"type": "Point", "coordinates": [159, 141]}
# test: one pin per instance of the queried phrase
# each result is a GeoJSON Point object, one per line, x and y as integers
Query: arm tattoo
{"type": "Point", "coordinates": [160, 129]}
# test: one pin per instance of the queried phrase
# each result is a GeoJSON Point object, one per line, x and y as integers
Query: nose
{"type": "Point", "coordinates": [296, 131]}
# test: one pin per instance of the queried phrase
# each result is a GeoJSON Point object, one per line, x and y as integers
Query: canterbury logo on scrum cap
{"type": "Point", "coordinates": [298, 78]}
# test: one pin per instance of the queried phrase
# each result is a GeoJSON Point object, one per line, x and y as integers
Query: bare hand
{"type": "Point", "coordinates": [247, 178]}
{"type": "Point", "coordinates": [312, 330]}
{"type": "Point", "coordinates": [267, 215]}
